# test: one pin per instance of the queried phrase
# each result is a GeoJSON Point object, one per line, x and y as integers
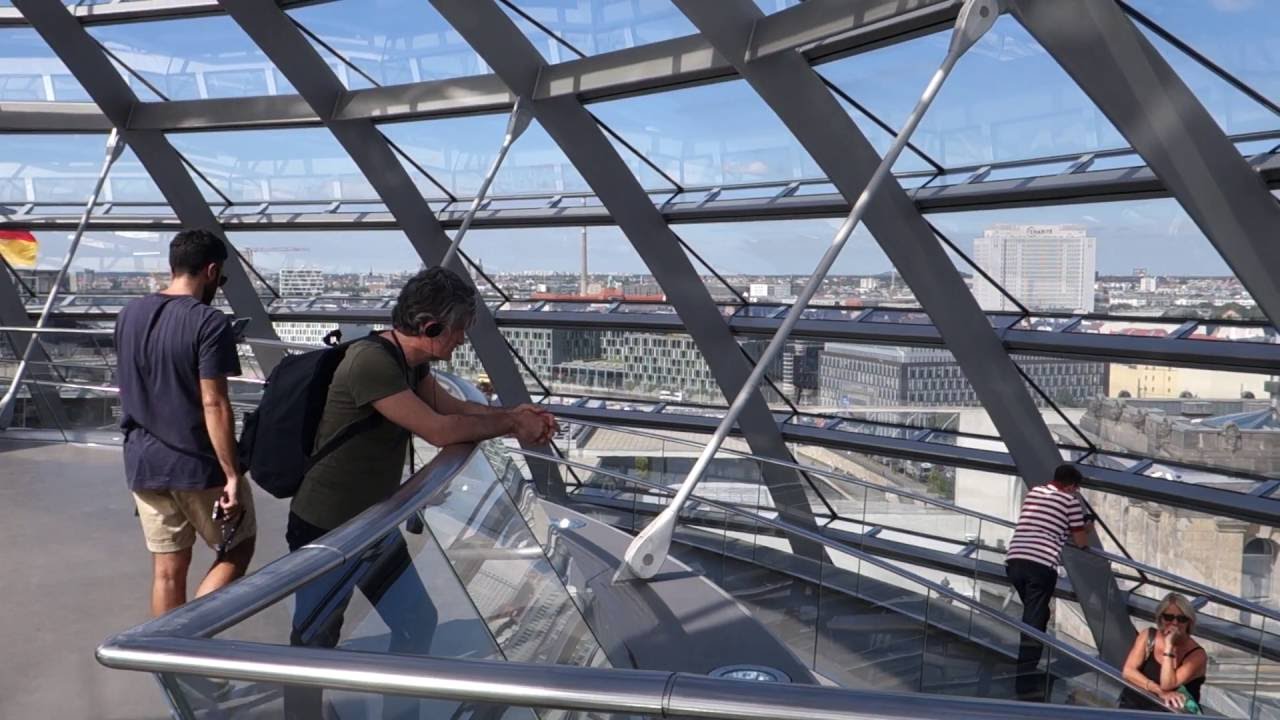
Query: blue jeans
{"type": "Point", "coordinates": [387, 578]}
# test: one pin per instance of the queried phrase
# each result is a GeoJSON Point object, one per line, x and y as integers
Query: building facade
{"type": "Point", "coordinates": [300, 282]}
{"type": "Point", "coordinates": [1164, 381]}
{"type": "Point", "coordinates": [1046, 267]}
{"type": "Point", "coordinates": [886, 376]}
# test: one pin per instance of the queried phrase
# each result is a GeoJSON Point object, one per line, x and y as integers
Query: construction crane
{"type": "Point", "coordinates": [249, 252]}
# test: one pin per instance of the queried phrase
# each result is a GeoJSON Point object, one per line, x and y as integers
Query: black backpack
{"type": "Point", "coordinates": [277, 439]}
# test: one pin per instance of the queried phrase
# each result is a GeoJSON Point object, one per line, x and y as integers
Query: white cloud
{"type": "Point", "coordinates": [1233, 6]}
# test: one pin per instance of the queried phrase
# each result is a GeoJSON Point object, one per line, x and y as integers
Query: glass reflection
{"type": "Point", "coordinates": [193, 58]}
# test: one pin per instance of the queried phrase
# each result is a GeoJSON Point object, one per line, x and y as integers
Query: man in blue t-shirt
{"type": "Point", "coordinates": [175, 353]}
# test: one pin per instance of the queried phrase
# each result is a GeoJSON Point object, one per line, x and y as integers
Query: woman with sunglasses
{"type": "Point", "coordinates": [1165, 661]}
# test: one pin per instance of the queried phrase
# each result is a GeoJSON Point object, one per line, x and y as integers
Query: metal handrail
{"type": "Point", "coordinates": [787, 528]}
{"type": "Point", "coordinates": [30, 330]}
{"type": "Point", "coordinates": [180, 642]}
{"type": "Point", "coordinates": [1191, 586]}
{"type": "Point", "coordinates": [646, 693]}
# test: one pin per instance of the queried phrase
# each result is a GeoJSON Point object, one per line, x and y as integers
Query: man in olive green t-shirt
{"type": "Point", "coordinates": [390, 375]}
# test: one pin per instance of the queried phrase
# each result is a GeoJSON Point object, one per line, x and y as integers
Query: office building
{"type": "Point", "coordinates": [300, 282]}
{"type": "Point", "coordinates": [1046, 267]}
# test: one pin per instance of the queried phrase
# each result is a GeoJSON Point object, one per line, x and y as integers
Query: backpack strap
{"type": "Point", "coordinates": [364, 424]}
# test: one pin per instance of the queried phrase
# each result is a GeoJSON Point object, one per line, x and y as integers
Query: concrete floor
{"type": "Point", "coordinates": [76, 571]}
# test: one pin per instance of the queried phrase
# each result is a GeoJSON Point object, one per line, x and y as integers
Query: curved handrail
{"type": "Point", "coordinates": [181, 642]}
{"type": "Point", "coordinates": [31, 330]}
{"type": "Point", "coordinates": [1191, 586]}
{"type": "Point", "coordinates": [1049, 641]}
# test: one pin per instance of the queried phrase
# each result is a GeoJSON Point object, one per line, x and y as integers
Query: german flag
{"type": "Point", "coordinates": [19, 248]}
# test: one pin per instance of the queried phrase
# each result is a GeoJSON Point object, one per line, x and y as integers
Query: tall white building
{"type": "Point", "coordinates": [1046, 267]}
{"type": "Point", "coordinates": [301, 282]}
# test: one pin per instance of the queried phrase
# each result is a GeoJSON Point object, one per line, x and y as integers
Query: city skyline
{"type": "Point", "coordinates": [1154, 234]}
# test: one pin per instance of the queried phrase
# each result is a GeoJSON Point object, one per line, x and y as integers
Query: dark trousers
{"type": "Point", "coordinates": [1035, 584]}
{"type": "Point", "coordinates": [387, 578]}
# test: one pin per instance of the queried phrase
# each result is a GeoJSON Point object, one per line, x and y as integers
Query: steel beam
{"type": "Point", "coordinates": [796, 93]}
{"type": "Point", "coordinates": [84, 57]}
{"type": "Point", "coordinates": [1132, 84]}
{"type": "Point", "coordinates": [1123, 184]}
{"type": "Point", "coordinates": [826, 29]}
{"type": "Point", "coordinates": [1221, 355]}
{"type": "Point", "coordinates": [1210, 499]}
{"type": "Point", "coordinates": [137, 10]}
{"type": "Point", "coordinates": [1241, 356]}
{"type": "Point", "coordinates": [286, 46]}
{"type": "Point", "coordinates": [515, 60]}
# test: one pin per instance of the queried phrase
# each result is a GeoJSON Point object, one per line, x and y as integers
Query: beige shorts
{"type": "Point", "coordinates": [171, 519]}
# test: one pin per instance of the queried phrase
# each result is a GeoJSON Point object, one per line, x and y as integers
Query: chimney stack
{"type": "Point", "coordinates": [582, 281]}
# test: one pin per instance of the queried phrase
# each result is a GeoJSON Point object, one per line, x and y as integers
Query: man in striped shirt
{"type": "Point", "coordinates": [1050, 514]}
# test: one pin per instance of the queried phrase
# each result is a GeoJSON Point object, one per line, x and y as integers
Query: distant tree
{"type": "Point", "coordinates": [1186, 394]}
{"type": "Point", "coordinates": [939, 484]}
{"type": "Point", "coordinates": [1248, 395]}
{"type": "Point", "coordinates": [1124, 394]}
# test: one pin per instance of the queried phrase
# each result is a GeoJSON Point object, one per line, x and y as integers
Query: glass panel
{"type": "Point", "coordinates": [600, 26]}
{"type": "Point", "coordinates": [29, 70]}
{"type": "Point", "coordinates": [218, 699]}
{"type": "Point", "coordinates": [769, 260]}
{"type": "Point", "coordinates": [393, 41]}
{"type": "Point", "coordinates": [1234, 333]}
{"type": "Point", "coordinates": [253, 166]}
{"type": "Point", "coordinates": [622, 364]}
{"type": "Point", "coordinates": [1006, 100]}
{"type": "Point", "coordinates": [1235, 112]}
{"type": "Point", "coordinates": [193, 58]}
{"type": "Point", "coordinates": [881, 139]}
{"type": "Point", "coordinates": [1142, 257]}
{"type": "Point", "coordinates": [718, 134]}
{"type": "Point", "coordinates": [1204, 417]}
{"type": "Point", "coordinates": [64, 168]}
{"type": "Point", "coordinates": [458, 152]}
{"type": "Point", "coordinates": [506, 573]}
{"type": "Point", "coordinates": [112, 265]}
{"type": "Point", "coordinates": [773, 6]}
{"type": "Point", "coordinates": [548, 263]}
{"type": "Point", "coordinates": [1230, 34]}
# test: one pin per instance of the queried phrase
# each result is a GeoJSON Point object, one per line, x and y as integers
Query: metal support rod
{"type": "Point", "coordinates": [516, 124]}
{"type": "Point", "coordinates": [113, 151]}
{"type": "Point", "coordinates": [649, 549]}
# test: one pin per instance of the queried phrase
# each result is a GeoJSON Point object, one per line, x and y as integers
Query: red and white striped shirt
{"type": "Point", "coordinates": [1048, 515]}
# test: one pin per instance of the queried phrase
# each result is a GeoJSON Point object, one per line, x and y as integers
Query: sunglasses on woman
{"type": "Point", "coordinates": [1170, 617]}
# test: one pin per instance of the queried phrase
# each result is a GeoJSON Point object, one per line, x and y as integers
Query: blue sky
{"type": "Point", "coordinates": [1007, 99]}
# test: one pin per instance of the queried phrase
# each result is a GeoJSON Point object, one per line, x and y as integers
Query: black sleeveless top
{"type": "Point", "coordinates": [1151, 670]}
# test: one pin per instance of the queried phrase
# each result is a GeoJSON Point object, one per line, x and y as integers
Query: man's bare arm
{"type": "Point", "coordinates": [410, 412]}
{"type": "Point", "coordinates": [220, 422]}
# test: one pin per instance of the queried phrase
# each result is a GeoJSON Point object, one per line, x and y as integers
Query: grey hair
{"type": "Point", "coordinates": [434, 295]}
{"type": "Point", "coordinates": [1176, 600]}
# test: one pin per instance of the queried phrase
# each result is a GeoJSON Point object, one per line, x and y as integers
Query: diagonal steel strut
{"type": "Point", "coordinates": [649, 549]}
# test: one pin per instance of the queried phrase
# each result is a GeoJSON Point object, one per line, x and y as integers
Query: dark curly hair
{"type": "Point", "coordinates": [436, 294]}
{"type": "Point", "coordinates": [193, 250]}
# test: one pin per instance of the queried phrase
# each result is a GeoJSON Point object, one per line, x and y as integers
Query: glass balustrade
{"type": "Point", "coordinates": [626, 475]}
